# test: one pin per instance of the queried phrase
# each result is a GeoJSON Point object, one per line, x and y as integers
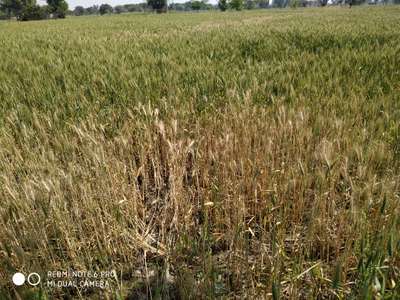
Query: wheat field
{"type": "Point", "coordinates": [237, 155]}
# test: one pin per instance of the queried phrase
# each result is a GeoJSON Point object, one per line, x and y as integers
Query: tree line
{"type": "Point", "coordinates": [25, 10]}
{"type": "Point", "coordinates": [162, 6]}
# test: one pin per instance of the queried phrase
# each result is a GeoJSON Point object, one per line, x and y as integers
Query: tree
{"type": "Point", "coordinates": [105, 9]}
{"type": "Point", "coordinates": [6, 8]}
{"type": "Point", "coordinates": [119, 9]}
{"type": "Point", "coordinates": [136, 7]}
{"type": "Point", "coordinates": [358, 2]}
{"type": "Point", "coordinates": [25, 10]}
{"type": "Point", "coordinates": [79, 11]}
{"type": "Point", "coordinates": [236, 4]}
{"type": "Point", "coordinates": [176, 6]}
{"type": "Point", "coordinates": [280, 3]}
{"type": "Point", "coordinates": [223, 5]}
{"type": "Point", "coordinates": [34, 12]}
{"type": "Point", "coordinates": [196, 5]}
{"type": "Point", "coordinates": [58, 8]}
{"type": "Point", "coordinates": [263, 3]}
{"type": "Point", "coordinates": [249, 4]}
{"type": "Point", "coordinates": [159, 6]}
{"type": "Point", "coordinates": [15, 7]}
{"type": "Point", "coordinates": [93, 10]}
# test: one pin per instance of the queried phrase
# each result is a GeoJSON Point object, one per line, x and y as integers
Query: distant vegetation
{"type": "Point", "coordinates": [223, 5]}
{"type": "Point", "coordinates": [243, 155]}
{"type": "Point", "coordinates": [25, 10]}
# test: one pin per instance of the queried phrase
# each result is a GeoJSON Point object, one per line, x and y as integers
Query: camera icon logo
{"type": "Point", "coordinates": [19, 279]}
